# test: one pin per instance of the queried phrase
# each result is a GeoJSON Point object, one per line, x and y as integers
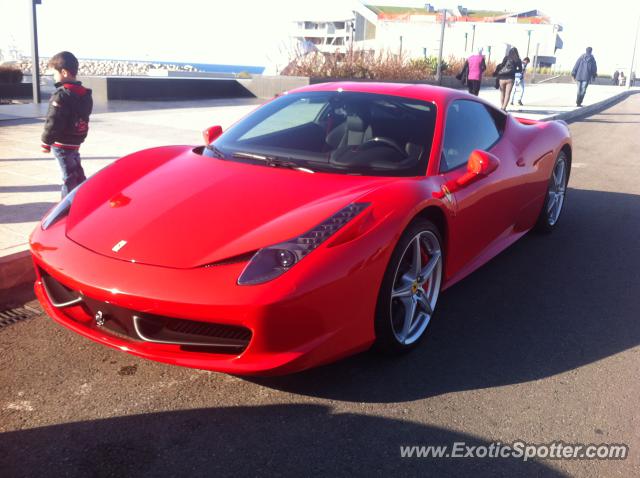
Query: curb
{"type": "Point", "coordinates": [16, 270]}
{"type": "Point", "coordinates": [580, 113]}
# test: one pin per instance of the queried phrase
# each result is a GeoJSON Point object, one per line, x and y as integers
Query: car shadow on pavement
{"type": "Point", "coordinates": [547, 305]}
{"type": "Point", "coordinates": [274, 440]}
{"type": "Point", "coordinates": [28, 212]}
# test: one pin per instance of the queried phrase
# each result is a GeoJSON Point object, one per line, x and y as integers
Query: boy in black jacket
{"type": "Point", "coordinates": [67, 122]}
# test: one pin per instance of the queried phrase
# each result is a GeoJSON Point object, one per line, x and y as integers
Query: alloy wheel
{"type": "Point", "coordinates": [416, 287]}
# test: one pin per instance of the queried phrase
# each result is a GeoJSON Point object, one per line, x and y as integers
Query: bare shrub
{"type": "Point", "coordinates": [368, 65]}
{"type": "Point", "coordinates": [359, 64]}
{"type": "Point", "coordinates": [10, 74]}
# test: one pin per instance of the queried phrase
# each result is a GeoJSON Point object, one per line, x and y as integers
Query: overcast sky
{"type": "Point", "coordinates": [250, 31]}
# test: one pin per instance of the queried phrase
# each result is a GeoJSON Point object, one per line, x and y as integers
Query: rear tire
{"type": "Point", "coordinates": [555, 197]}
{"type": "Point", "coordinates": [410, 289]}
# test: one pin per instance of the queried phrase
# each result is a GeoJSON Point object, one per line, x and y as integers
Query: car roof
{"type": "Point", "coordinates": [436, 94]}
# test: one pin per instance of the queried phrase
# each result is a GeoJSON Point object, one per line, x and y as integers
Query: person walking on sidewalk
{"type": "Point", "coordinates": [518, 86]}
{"type": "Point", "coordinates": [506, 73]}
{"type": "Point", "coordinates": [584, 72]}
{"type": "Point", "coordinates": [622, 80]}
{"type": "Point", "coordinates": [477, 66]}
{"type": "Point", "coordinates": [67, 122]}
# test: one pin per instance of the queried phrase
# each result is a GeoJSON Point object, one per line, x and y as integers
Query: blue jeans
{"type": "Point", "coordinates": [72, 172]}
{"type": "Point", "coordinates": [582, 90]}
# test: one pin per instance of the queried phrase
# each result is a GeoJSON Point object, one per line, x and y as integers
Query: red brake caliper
{"type": "Point", "coordinates": [424, 259]}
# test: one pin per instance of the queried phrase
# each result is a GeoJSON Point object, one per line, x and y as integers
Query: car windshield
{"type": "Point", "coordinates": [334, 131]}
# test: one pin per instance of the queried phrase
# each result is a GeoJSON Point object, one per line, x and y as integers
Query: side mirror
{"type": "Point", "coordinates": [479, 164]}
{"type": "Point", "coordinates": [210, 134]}
{"type": "Point", "coordinates": [482, 163]}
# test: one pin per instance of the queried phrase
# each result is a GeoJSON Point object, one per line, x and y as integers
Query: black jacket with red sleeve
{"type": "Point", "coordinates": [67, 122]}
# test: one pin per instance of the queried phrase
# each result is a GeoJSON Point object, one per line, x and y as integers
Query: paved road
{"type": "Point", "coordinates": [539, 345]}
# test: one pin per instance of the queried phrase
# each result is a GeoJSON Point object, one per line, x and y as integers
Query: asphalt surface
{"type": "Point", "coordinates": [540, 345]}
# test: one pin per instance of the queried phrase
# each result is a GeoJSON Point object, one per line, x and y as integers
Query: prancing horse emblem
{"type": "Point", "coordinates": [100, 318]}
{"type": "Point", "coordinates": [119, 246]}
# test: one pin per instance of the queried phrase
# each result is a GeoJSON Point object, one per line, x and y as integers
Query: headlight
{"type": "Point", "coordinates": [273, 261]}
{"type": "Point", "coordinates": [61, 209]}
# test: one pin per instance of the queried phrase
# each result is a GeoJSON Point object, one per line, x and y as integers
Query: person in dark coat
{"type": "Point", "coordinates": [505, 73]}
{"type": "Point", "coordinates": [464, 74]}
{"type": "Point", "coordinates": [584, 72]}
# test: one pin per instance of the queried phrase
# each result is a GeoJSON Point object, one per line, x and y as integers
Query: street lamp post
{"type": "Point", "coordinates": [439, 67]}
{"type": "Point", "coordinates": [35, 59]}
{"type": "Point", "coordinates": [353, 33]}
{"type": "Point", "coordinates": [473, 36]}
{"type": "Point", "coordinates": [528, 42]}
{"type": "Point", "coordinates": [535, 64]}
{"type": "Point", "coordinates": [633, 56]}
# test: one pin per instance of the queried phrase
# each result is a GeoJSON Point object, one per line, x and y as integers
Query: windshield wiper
{"type": "Point", "coordinates": [218, 152]}
{"type": "Point", "coordinates": [273, 161]}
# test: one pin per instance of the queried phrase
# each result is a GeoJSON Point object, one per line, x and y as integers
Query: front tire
{"type": "Point", "coordinates": [556, 191]}
{"type": "Point", "coordinates": [410, 289]}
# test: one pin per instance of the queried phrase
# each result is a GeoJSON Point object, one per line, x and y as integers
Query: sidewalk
{"type": "Point", "coordinates": [547, 100]}
{"type": "Point", "coordinates": [30, 180]}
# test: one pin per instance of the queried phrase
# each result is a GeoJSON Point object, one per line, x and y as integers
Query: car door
{"type": "Point", "coordinates": [483, 210]}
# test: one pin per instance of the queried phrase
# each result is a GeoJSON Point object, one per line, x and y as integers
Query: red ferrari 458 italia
{"type": "Point", "coordinates": [325, 222]}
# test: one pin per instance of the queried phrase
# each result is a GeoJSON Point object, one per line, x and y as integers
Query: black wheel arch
{"type": "Point", "coordinates": [437, 216]}
{"type": "Point", "coordinates": [566, 149]}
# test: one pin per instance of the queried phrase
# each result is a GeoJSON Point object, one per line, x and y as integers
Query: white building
{"type": "Point", "coordinates": [419, 35]}
{"type": "Point", "coordinates": [416, 31]}
{"type": "Point", "coordinates": [331, 28]}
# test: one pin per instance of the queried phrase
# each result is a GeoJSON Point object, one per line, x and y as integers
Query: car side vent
{"type": "Point", "coordinates": [59, 294]}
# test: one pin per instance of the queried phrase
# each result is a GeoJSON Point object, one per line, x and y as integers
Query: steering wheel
{"type": "Point", "coordinates": [380, 141]}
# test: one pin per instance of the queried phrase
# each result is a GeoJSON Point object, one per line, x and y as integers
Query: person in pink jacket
{"type": "Point", "coordinates": [477, 66]}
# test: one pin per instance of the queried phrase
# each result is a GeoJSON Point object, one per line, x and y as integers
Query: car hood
{"type": "Point", "coordinates": [174, 208]}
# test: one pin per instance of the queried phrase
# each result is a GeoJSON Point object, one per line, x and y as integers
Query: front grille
{"type": "Point", "coordinates": [142, 326]}
{"type": "Point", "coordinates": [167, 330]}
{"type": "Point", "coordinates": [193, 327]}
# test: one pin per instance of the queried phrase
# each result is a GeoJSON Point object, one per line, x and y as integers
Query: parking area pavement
{"type": "Point", "coordinates": [541, 345]}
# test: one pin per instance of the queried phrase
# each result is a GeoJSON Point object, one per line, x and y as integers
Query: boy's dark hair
{"type": "Point", "coordinates": [64, 60]}
{"type": "Point", "coordinates": [526, 58]}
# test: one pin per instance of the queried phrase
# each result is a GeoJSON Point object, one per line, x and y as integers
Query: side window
{"type": "Point", "coordinates": [469, 125]}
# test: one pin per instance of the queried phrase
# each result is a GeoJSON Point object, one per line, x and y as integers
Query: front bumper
{"type": "Point", "coordinates": [305, 318]}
